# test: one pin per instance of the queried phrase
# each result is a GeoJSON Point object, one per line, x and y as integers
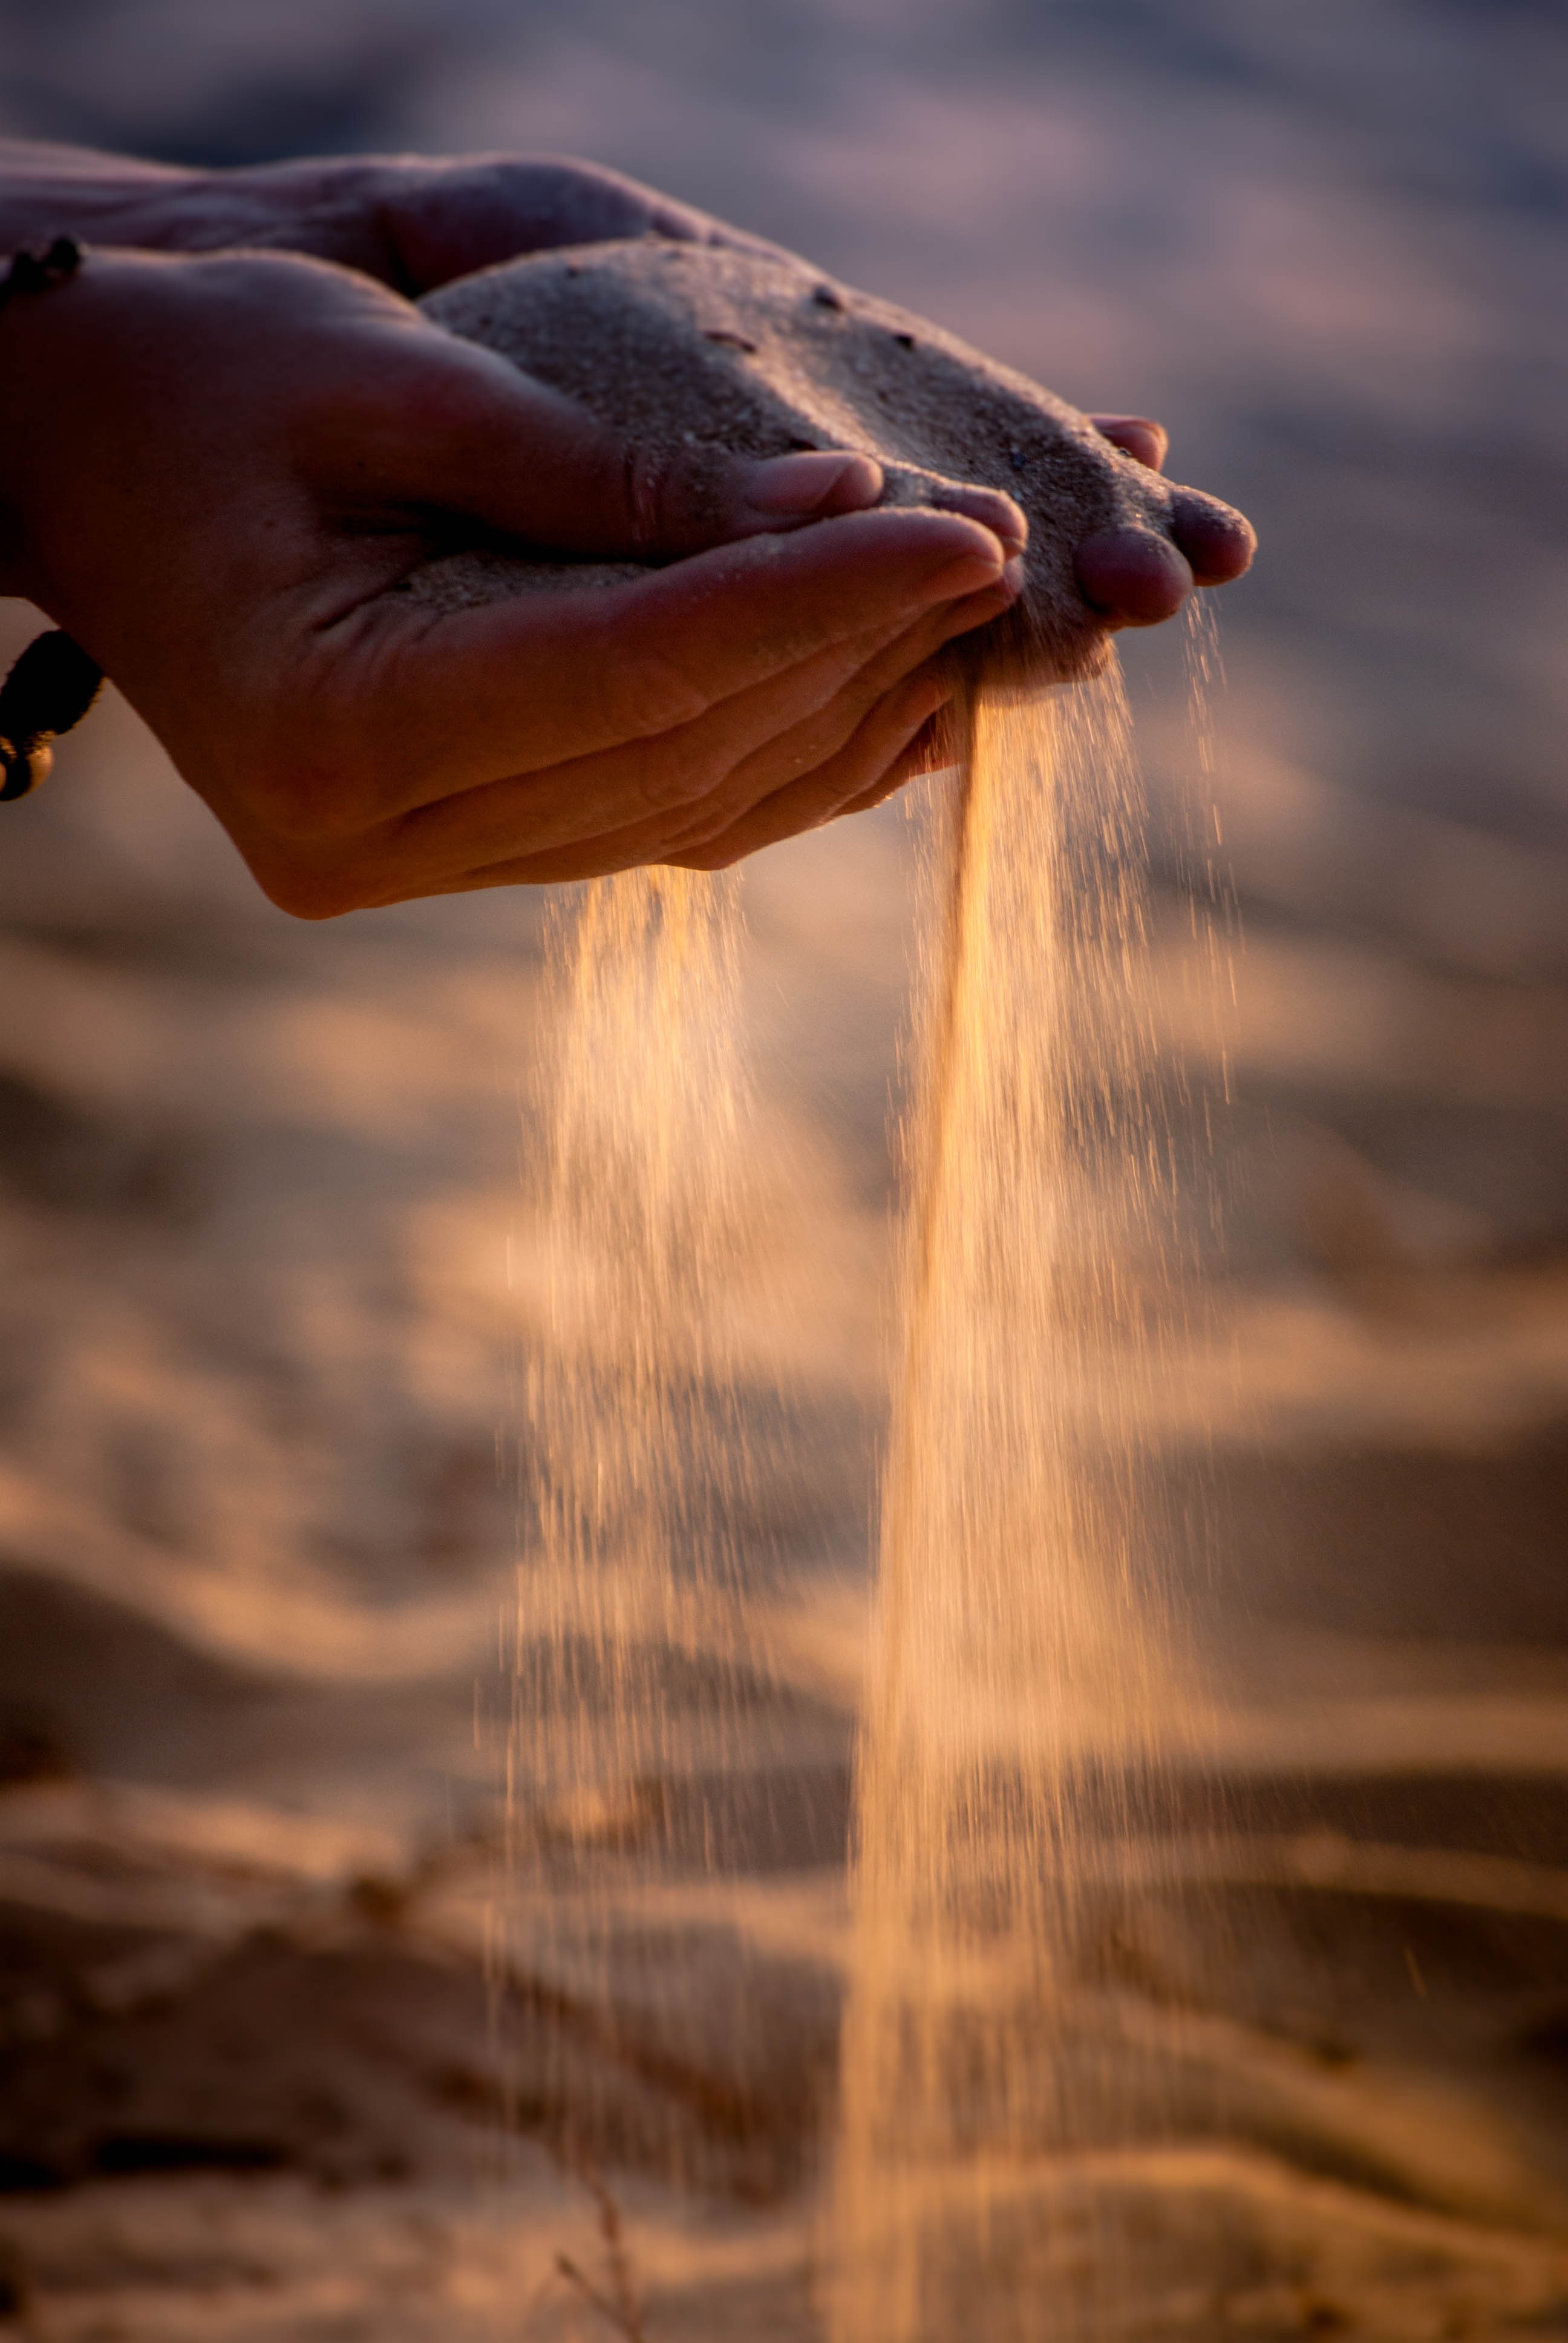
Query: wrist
{"type": "Point", "coordinates": [106, 199]}
{"type": "Point", "coordinates": [31, 274]}
{"type": "Point", "coordinates": [328, 209]}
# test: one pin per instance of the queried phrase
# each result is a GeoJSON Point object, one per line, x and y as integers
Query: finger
{"type": "Point", "coordinates": [1132, 576]}
{"type": "Point", "coordinates": [1135, 435]}
{"type": "Point", "coordinates": [643, 791]}
{"type": "Point", "coordinates": [936, 747]}
{"type": "Point", "coordinates": [991, 508]}
{"type": "Point", "coordinates": [918, 759]}
{"type": "Point", "coordinates": [688, 784]}
{"type": "Point", "coordinates": [786, 491]}
{"type": "Point", "coordinates": [785, 756]}
{"type": "Point", "coordinates": [865, 767]}
{"type": "Point", "coordinates": [465, 431]}
{"type": "Point", "coordinates": [1216, 541]}
{"type": "Point", "coordinates": [551, 818]}
{"type": "Point", "coordinates": [809, 746]}
{"type": "Point", "coordinates": [875, 745]}
{"type": "Point", "coordinates": [430, 704]}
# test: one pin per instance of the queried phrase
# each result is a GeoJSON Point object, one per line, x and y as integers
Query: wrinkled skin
{"type": "Point", "coordinates": [228, 442]}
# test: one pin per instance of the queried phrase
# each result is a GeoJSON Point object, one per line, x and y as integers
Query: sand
{"type": "Point", "coordinates": [676, 343]}
{"type": "Point", "coordinates": [245, 2005]}
{"type": "Point", "coordinates": [257, 1183]}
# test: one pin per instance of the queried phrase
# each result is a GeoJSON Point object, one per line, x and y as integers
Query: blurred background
{"type": "Point", "coordinates": [269, 1268]}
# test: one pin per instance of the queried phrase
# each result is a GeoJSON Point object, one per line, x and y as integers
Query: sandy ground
{"type": "Point", "coordinates": [270, 1278]}
{"type": "Point", "coordinates": [270, 1989]}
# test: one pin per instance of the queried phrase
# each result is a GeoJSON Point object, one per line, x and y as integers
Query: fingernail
{"type": "Point", "coordinates": [1218, 542]}
{"type": "Point", "coordinates": [971, 573]}
{"type": "Point", "coordinates": [1132, 576]}
{"type": "Point", "coordinates": [994, 510]}
{"type": "Point", "coordinates": [790, 488]}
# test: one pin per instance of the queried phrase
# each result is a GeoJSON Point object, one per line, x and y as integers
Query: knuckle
{"type": "Point", "coordinates": [711, 817]}
{"type": "Point", "coordinates": [677, 785]}
{"type": "Point", "coordinates": [306, 890]}
{"type": "Point", "coordinates": [675, 505]}
{"type": "Point", "coordinates": [651, 693]}
{"type": "Point", "coordinates": [689, 836]}
{"type": "Point", "coordinates": [722, 855]}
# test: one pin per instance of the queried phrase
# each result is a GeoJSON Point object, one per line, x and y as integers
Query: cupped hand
{"type": "Point", "coordinates": [417, 223]}
{"type": "Point", "coordinates": [1134, 578]}
{"type": "Point", "coordinates": [413, 222]}
{"type": "Point", "coordinates": [218, 474]}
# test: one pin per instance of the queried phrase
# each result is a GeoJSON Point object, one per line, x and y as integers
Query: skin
{"type": "Point", "coordinates": [226, 443]}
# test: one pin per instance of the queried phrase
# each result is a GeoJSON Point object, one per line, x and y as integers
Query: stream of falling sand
{"type": "Point", "coordinates": [629, 1637]}
{"type": "Point", "coordinates": [1027, 1682]}
{"type": "Point", "coordinates": [631, 1420]}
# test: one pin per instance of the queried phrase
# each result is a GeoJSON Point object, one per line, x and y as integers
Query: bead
{"type": "Point", "coordinates": [51, 688]}
{"type": "Point", "coordinates": [22, 770]}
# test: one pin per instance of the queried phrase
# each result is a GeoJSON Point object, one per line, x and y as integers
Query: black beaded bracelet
{"type": "Point", "coordinates": [51, 688]}
{"type": "Point", "coordinates": [35, 271]}
{"type": "Point", "coordinates": [53, 683]}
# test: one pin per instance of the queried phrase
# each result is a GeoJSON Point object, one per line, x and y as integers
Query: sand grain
{"type": "Point", "coordinates": [683, 343]}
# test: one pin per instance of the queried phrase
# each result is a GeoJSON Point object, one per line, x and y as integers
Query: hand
{"type": "Point", "coordinates": [412, 223]}
{"type": "Point", "coordinates": [1133, 579]}
{"type": "Point", "coordinates": [216, 473]}
{"type": "Point", "coordinates": [419, 224]}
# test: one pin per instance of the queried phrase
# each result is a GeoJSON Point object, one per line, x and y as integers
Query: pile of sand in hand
{"type": "Point", "coordinates": [761, 354]}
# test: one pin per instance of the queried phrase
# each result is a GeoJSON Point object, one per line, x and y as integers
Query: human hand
{"type": "Point", "coordinates": [418, 224]}
{"type": "Point", "coordinates": [1130, 577]}
{"type": "Point", "coordinates": [413, 222]}
{"type": "Point", "coordinates": [217, 473]}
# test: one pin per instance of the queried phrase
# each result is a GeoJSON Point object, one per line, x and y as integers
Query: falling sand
{"type": "Point", "coordinates": [1026, 1681]}
{"type": "Point", "coordinates": [1025, 1678]}
{"type": "Point", "coordinates": [1026, 1685]}
{"type": "Point", "coordinates": [636, 1445]}
{"type": "Point", "coordinates": [629, 1651]}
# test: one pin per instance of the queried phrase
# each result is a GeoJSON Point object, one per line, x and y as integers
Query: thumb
{"type": "Point", "coordinates": [526, 461]}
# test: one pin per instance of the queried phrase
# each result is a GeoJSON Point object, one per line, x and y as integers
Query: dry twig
{"type": "Point", "coordinates": [620, 2306]}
